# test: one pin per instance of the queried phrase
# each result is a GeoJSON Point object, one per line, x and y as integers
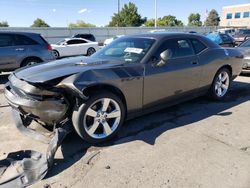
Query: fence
{"type": "Point", "coordinates": [53, 34]}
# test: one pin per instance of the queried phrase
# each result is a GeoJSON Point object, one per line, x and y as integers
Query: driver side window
{"type": "Point", "coordinates": [178, 47]}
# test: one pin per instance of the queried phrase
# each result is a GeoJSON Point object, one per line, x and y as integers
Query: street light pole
{"type": "Point", "coordinates": [155, 13]}
{"type": "Point", "coordinates": [118, 12]}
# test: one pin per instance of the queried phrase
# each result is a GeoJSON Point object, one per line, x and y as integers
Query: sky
{"type": "Point", "coordinates": [59, 13]}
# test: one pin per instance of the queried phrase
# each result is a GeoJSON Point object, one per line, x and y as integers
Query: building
{"type": "Point", "coordinates": [235, 16]}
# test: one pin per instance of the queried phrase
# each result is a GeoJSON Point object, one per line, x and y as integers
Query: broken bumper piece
{"type": "Point", "coordinates": [24, 168]}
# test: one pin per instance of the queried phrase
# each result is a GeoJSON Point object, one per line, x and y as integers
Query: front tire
{"type": "Point", "coordinates": [90, 51]}
{"type": "Point", "coordinates": [99, 118]}
{"type": "Point", "coordinates": [221, 84]}
{"type": "Point", "coordinates": [56, 54]}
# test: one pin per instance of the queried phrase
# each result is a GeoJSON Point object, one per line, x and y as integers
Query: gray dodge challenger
{"type": "Point", "coordinates": [134, 75]}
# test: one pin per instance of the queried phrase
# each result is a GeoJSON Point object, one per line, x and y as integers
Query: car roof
{"type": "Point", "coordinates": [21, 33]}
{"type": "Point", "coordinates": [160, 35]}
{"type": "Point", "coordinates": [169, 35]}
{"type": "Point", "coordinates": [67, 39]}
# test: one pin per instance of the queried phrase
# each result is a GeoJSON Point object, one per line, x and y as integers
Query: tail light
{"type": "Point", "coordinates": [48, 47]}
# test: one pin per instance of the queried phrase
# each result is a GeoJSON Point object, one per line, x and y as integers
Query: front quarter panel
{"type": "Point", "coordinates": [127, 79]}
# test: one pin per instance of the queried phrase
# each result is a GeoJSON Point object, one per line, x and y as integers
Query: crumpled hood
{"type": "Point", "coordinates": [60, 68]}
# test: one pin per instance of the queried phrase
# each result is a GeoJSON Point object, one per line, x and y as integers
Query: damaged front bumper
{"type": "Point", "coordinates": [24, 168]}
{"type": "Point", "coordinates": [42, 105]}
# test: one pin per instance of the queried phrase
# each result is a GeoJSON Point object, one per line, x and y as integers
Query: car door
{"type": "Point", "coordinates": [176, 78]}
{"type": "Point", "coordinates": [72, 48]}
{"type": "Point", "coordinates": [9, 53]}
{"type": "Point", "coordinates": [83, 46]}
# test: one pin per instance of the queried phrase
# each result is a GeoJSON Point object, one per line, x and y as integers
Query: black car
{"type": "Point", "coordinates": [85, 36]}
{"type": "Point", "coordinates": [132, 76]}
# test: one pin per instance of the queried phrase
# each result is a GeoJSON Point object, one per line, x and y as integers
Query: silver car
{"type": "Point", "coordinates": [19, 49]}
{"type": "Point", "coordinates": [245, 49]}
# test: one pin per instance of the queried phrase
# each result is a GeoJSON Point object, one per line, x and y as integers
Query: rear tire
{"type": "Point", "coordinates": [99, 118]}
{"type": "Point", "coordinates": [30, 61]}
{"type": "Point", "coordinates": [221, 84]}
{"type": "Point", "coordinates": [90, 51]}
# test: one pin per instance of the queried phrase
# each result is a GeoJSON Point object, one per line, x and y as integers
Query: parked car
{"type": "Point", "coordinates": [109, 40]}
{"type": "Point", "coordinates": [245, 49]}
{"type": "Point", "coordinates": [223, 40]}
{"type": "Point", "coordinates": [241, 35]}
{"type": "Point", "coordinates": [85, 36]}
{"type": "Point", "coordinates": [132, 76]}
{"type": "Point", "coordinates": [229, 31]}
{"type": "Point", "coordinates": [19, 49]}
{"type": "Point", "coordinates": [73, 47]}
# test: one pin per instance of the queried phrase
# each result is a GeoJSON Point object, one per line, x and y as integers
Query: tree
{"type": "Point", "coordinates": [150, 23]}
{"type": "Point", "coordinates": [168, 20]}
{"type": "Point", "coordinates": [39, 23]}
{"type": "Point", "coordinates": [194, 19]}
{"type": "Point", "coordinates": [128, 17]}
{"type": "Point", "coordinates": [4, 24]}
{"type": "Point", "coordinates": [213, 18]}
{"type": "Point", "coordinates": [80, 23]}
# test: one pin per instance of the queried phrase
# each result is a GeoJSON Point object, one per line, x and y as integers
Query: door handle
{"type": "Point", "coordinates": [19, 49]}
{"type": "Point", "coordinates": [194, 63]}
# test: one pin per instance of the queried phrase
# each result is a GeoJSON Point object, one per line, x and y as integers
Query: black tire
{"type": "Point", "coordinates": [90, 51]}
{"type": "Point", "coordinates": [79, 115]}
{"type": "Point", "coordinates": [56, 54]}
{"type": "Point", "coordinates": [30, 61]}
{"type": "Point", "coordinates": [212, 92]}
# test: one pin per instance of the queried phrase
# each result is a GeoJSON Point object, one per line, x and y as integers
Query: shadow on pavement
{"type": "Point", "coordinates": [149, 127]}
{"type": "Point", "coordinates": [3, 78]}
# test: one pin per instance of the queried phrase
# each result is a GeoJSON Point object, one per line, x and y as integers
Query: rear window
{"type": "Point", "coordinates": [198, 46]}
{"type": "Point", "coordinates": [24, 40]}
{"type": "Point", "coordinates": [45, 42]}
{"type": "Point", "coordinates": [6, 40]}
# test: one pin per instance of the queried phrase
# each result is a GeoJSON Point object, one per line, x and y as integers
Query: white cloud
{"type": "Point", "coordinates": [53, 10]}
{"type": "Point", "coordinates": [82, 11]}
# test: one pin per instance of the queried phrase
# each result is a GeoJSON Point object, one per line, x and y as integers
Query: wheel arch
{"type": "Point", "coordinates": [227, 66]}
{"type": "Point", "coordinates": [57, 52]}
{"type": "Point", "coordinates": [105, 87]}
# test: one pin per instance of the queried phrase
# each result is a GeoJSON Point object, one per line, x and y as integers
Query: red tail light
{"type": "Point", "coordinates": [48, 47]}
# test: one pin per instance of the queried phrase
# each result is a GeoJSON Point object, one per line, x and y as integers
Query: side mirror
{"type": "Point", "coordinates": [165, 56]}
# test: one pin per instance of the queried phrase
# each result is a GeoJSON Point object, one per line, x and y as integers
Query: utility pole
{"type": "Point", "coordinates": [118, 12]}
{"type": "Point", "coordinates": [155, 13]}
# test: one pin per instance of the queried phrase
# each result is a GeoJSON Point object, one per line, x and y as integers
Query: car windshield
{"type": "Point", "coordinates": [130, 50]}
{"type": "Point", "coordinates": [61, 42]}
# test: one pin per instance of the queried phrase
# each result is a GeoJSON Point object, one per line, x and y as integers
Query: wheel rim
{"type": "Point", "coordinates": [91, 51]}
{"type": "Point", "coordinates": [55, 53]}
{"type": "Point", "coordinates": [102, 118]}
{"type": "Point", "coordinates": [31, 63]}
{"type": "Point", "coordinates": [222, 84]}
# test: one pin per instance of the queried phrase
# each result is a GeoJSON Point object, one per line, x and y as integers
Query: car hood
{"type": "Point", "coordinates": [60, 68]}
